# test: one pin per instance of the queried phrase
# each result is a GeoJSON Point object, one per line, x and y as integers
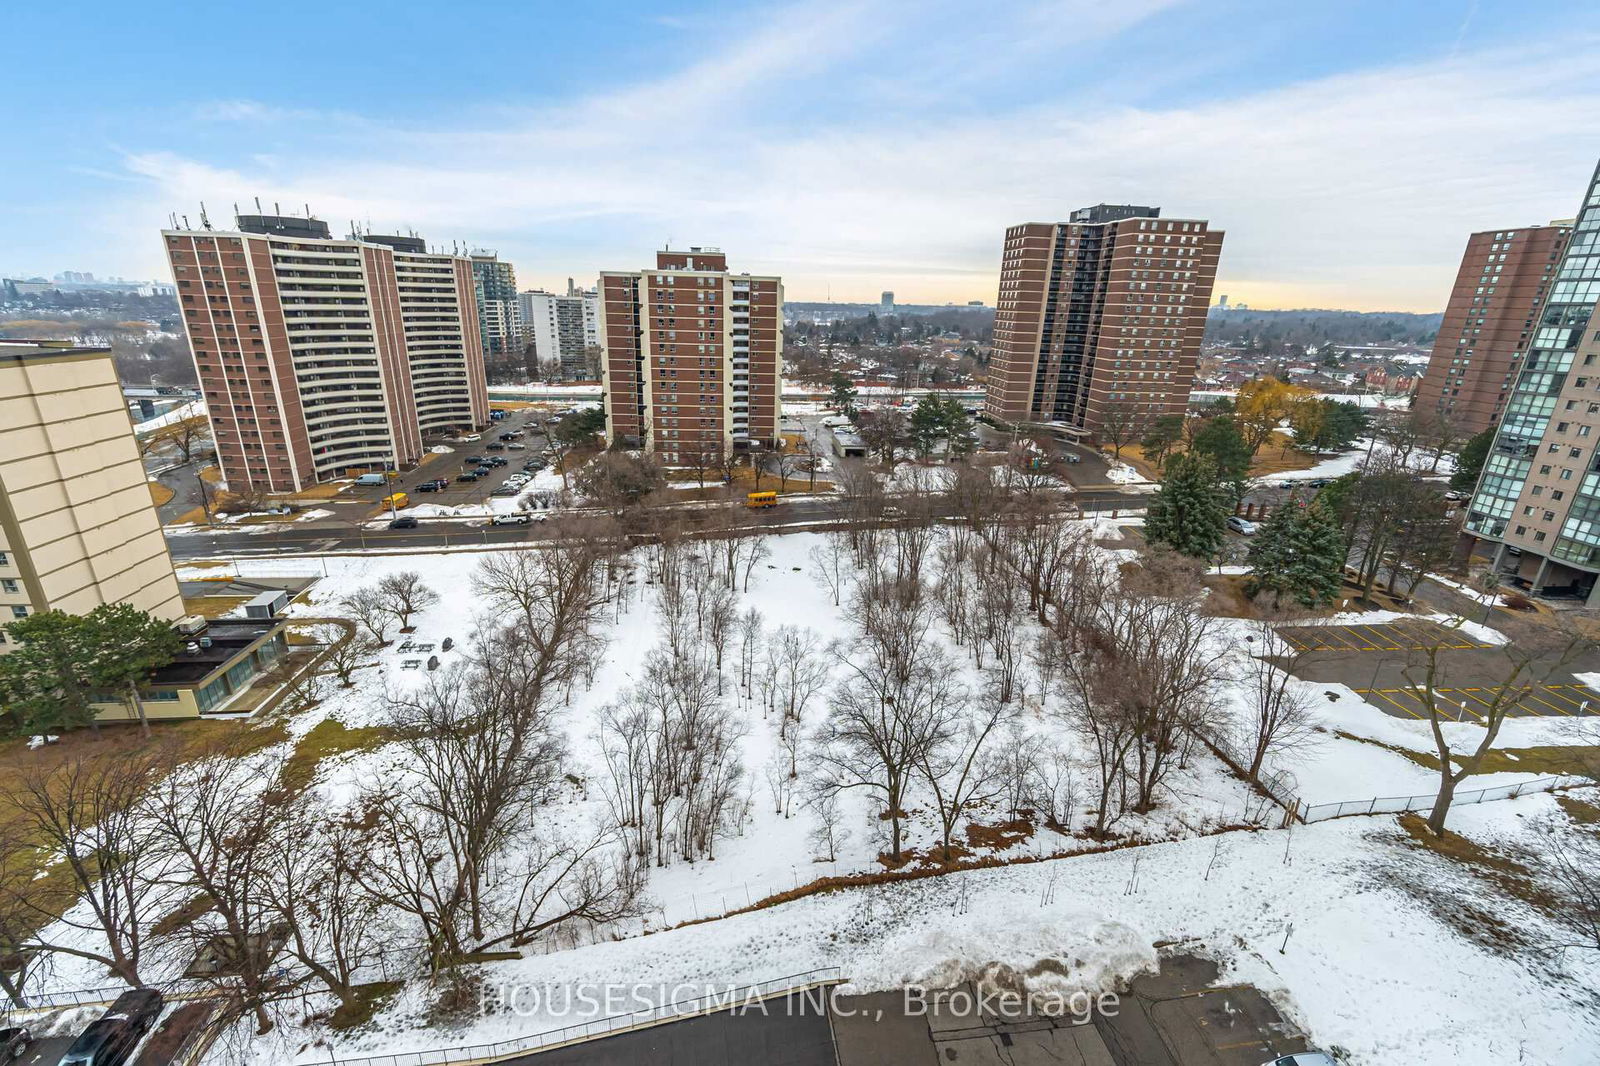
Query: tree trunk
{"type": "Point", "coordinates": [138, 708]}
{"type": "Point", "coordinates": [1441, 803]}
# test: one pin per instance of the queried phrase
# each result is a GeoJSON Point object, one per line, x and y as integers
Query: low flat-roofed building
{"type": "Point", "coordinates": [216, 665]}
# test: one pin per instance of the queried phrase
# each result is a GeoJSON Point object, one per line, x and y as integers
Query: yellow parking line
{"type": "Point", "coordinates": [1537, 694]}
{"type": "Point", "coordinates": [1402, 706]}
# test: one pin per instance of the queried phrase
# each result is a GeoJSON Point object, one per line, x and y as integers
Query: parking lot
{"type": "Point", "coordinates": [1469, 704]}
{"type": "Point", "coordinates": [1409, 635]}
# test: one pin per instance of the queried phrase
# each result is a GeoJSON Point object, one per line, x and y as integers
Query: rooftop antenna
{"type": "Point", "coordinates": [308, 210]}
{"type": "Point", "coordinates": [204, 221]}
{"type": "Point", "coordinates": [185, 221]}
{"type": "Point", "coordinates": [258, 206]}
{"type": "Point", "coordinates": [276, 209]}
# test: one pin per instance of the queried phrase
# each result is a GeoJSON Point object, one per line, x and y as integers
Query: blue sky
{"type": "Point", "coordinates": [1347, 148]}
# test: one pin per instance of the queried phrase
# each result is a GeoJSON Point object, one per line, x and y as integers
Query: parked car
{"type": "Point", "coordinates": [470, 475]}
{"type": "Point", "coordinates": [514, 446]}
{"type": "Point", "coordinates": [1455, 496]}
{"type": "Point", "coordinates": [436, 485]}
{"type": "Point", "coordinates": [508, 436]}
{"type": "Point", "coordinates": [1304, 1058]}
{"type": "Point", "coordinates": [536, 463]}
{"type": "Point", "coordinates": [497, 460]}
{"type": "Point", "coordinates": [1242, 526]}
{"type": "Point", "coordinates": [13, 1042]}
{"type": "Point", "coordinates": [1072, 457]}
{"type": "Point", "coordinates": [472, 460]}
{"type": "Point", "coordinates": [506, 490]}
{"type": "Point", "coordinates": [483, 469]}
{"type": "Point", "coordinates": [110, 1040]}
{"type": "Point", "coordinates": [510, 520]}
{"type": "Point", "coordinates": [405, 522]}
{"type": "Point", "coordinates": [495, 447]}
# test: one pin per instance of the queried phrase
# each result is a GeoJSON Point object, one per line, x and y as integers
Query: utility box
{"type": "Point", "coordinates": [267, 605]}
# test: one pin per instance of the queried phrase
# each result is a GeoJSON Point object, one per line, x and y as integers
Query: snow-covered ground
{"type": "Point", "coordinates": [1370, 966]}
{"type": "Point", "coordinates": [1350, 461]}
{"type": "Point", "coordinates": [177, 413]}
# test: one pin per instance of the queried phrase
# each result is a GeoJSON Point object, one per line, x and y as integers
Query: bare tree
{"type": "Point", "coordinates": [369, 608]}
{"type": "Point", "coordinates": [346, 652]}
{"type": "Point", "coordinates": [405, 594]}
{"type": "Point", "coordinates": [828, 833]}
{"type": "Point", "coordinates": [1528, 665]}
{"type": "Point", "coordinates": [85, 810]}
{"type": "Point", "coordinates": [897, 703]}
{"type": "Point", "coordinates": [802, 671]}
{"type": "Point", "coordinates": [832, 559]}
{"type": "Point", "coordinates": [756, 551]}
{"type": "Point", "coordinates": [963, 771]}
{"type": "Point", "coordinates": [1282, 716]}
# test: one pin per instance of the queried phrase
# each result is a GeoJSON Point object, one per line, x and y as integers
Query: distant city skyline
{"type": "Point", "coordinates": [880, 145]}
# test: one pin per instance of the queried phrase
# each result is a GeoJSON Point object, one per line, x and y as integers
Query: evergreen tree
{"type": "Point", "coordinates": [47, 680]}
{"type": "Point", "coordinates": [1189, 513]}
{"type": "Point", "coordinates": [1269, 557]}
{"type": "Point", "coordinates": [129, 645]}
{"type": "Point", "coordinates": [1469, 463]}
{"type": "Point", "coordinates": [845, 397]}
{"type": "Point", "coordinates": [927, 425]}
{"type": "Point", "coordinates": [1316, 556]}
{"type": "Point", "coordinates": [1164, 433]}
{"type": "Point", "coordinates": [1221, 440]}
{"type": "Point", "coordinates": [958, 429]}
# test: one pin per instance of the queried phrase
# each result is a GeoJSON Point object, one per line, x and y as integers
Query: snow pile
{"type": "Point", "coordinates": [1049, 957]}
{"type": "Point", "coordinates": [1123, 474]}
{"type": "Point", "coordinates": [442, 449]}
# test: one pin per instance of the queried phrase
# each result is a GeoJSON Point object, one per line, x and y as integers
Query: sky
{"type": "Point", "coordinates": [1347, 147]}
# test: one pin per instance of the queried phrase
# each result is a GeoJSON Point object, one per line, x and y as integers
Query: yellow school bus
{"type": "Point", "coordinates": [761, 499]}
{"type": "Point", "coordinates": [396, 501]}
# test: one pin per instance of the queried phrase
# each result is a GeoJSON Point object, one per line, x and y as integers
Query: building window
{"type": "Point", "coordinates": [8, 584]}
{"type": "Point", "coordinates": [19, 612]}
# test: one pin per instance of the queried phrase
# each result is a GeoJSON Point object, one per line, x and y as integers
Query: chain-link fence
{"type": "Point", "coordinates": [1396, 804]}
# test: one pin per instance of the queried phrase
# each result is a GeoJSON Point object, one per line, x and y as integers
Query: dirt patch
{"type": "Point", "coordinates": [212, 606]}
{"type": "Point", "coordinates": [363, 1005]}
{"type": "Point", "coordinates": [1580, 811]}
{"type": "Point", "coordinates": [160, 495]}
{"type": "Point", "coordinates": [1001, 836]}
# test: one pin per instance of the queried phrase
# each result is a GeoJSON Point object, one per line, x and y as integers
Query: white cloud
{"type": "Point", "coordinates": [1353, 190]}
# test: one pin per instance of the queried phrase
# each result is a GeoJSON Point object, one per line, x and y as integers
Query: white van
{"type": "Point", "coordinates": [371, 479]}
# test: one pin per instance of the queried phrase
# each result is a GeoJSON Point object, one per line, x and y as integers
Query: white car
{"type": "Point", "coordinates": [1304, 1058]}
{"type": "Point", "coordinates": [1242, 526]}
{"type": "Point", "coordinates": [511, 520]}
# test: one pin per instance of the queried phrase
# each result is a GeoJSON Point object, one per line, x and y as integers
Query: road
{"type": "Point", "coordinates": [796, 513]}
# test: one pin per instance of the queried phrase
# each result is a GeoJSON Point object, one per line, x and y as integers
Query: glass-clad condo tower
{"type": "Point", "coordinates": [1538, 498]}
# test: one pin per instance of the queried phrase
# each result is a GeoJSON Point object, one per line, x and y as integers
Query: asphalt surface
{"type": "Point", "coordinates": [790, 1031]}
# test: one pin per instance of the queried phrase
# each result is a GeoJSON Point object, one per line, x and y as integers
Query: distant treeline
{"type": "Point", "coordinates": [1271, 329]}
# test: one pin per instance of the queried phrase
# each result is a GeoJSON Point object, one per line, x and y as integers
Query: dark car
{"type": "Point", "coordinates": [13, 1042]}
{"type": "Point", "coordinates": [508, 436]}
{"type": "Point", "coordinates": [472, 460]}
{"type": "Point", "coordinates": [470, 475]}
{"type": "Point", "coordinates": [403, 523]}
{"type": "Point", "coordinates": [436, 485]}
{"type": "Point", "coordinates": [514, 446]}
{"type": "Point", "coordinates": [496, 447]}
{"type": "Point", "coordinates": [496, 460]}
{"type": "Point", "coordinates": [506, 490]}
{"type": "Point", "coordinates": [111, 1039]}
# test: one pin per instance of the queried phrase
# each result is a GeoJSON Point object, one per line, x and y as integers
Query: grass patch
{"type": "Point", "coordinates": [330, 738]}
{"type": "Point", "coordinates": [160, 495]}
{"type": "Point", "coordinates": [212, 606]}
{"type": "Point", "coordinates": [1580, 811]}
{"type": "Point", "coordinates": [182, 917]}
{"type": "Point", "coordinates": [1548, 760]}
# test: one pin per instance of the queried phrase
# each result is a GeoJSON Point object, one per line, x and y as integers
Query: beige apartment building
{"type": "Point", "coordinates": [321, 358]}
{"type": "Point", "coordinates": [1106, 310]}
{"type": "Point", "coordinates": [77, 528]}
{"type": "Point", "coordinates": [1488, 322]}
{"type": "Point", "coordinates": [1537, 503]}
{"type": "Point", "coordinates": [693, 363]}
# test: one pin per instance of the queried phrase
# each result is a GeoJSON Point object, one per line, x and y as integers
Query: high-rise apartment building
{"type": "Point", "coordinates": [562, 328]}
{"type": "Point", "coordinates": [77, 527]}
{"type": "Point", "coordinates": [693, 360]}
{"type": "Point", "coordinates": [1488, 322]}
{"type": "Point", "coordinates": [321, 357]}
{"type": "Point", "coordinates": [499, 316]}
{"type": "Point", "coordinates": [1105, 310]}
{"type": "Point", "coordinates": [886, 302]}
{"type": "Point", "coordinates": [1538, 498]}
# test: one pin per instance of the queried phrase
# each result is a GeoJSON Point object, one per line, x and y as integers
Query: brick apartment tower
{"type": "Point", "coordinates": [318, 357]}
{"type": "Point", "coordinates": [1499, 289]}
{"type": "Point", "coordinates": [693, 362]}
{"type": "Point", "coordinates": [1537, 501]}
{"type": "Point", "coordinates": [1105, 310]}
